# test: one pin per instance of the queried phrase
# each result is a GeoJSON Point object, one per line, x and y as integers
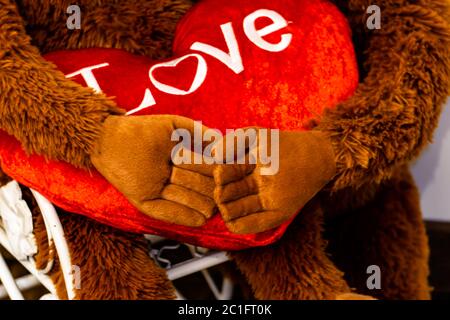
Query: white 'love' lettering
{"type": "Point", "coordinates": [232, 59]}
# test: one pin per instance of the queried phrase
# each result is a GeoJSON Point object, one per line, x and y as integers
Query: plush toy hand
{"type": "Point", "coordinates": [252, 202]}
{"type": "Point", "coordinates": [134, 154]}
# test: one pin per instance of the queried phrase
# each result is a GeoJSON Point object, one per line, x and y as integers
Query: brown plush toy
{"type": "Point", "coordinates": [361, 210]}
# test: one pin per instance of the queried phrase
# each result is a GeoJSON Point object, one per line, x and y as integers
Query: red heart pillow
{"type": "Point", "coordinates": [236, 63]}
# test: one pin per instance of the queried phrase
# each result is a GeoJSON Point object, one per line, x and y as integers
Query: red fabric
{"type": "Point", "coordinates": [276, 89]}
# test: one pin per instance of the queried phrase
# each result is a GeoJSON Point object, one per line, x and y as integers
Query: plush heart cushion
{"type": "Point", "coordinates": [236, 63]}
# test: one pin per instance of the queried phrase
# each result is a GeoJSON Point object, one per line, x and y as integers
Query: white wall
{"type": "Point", "coordinates": [432, 172]}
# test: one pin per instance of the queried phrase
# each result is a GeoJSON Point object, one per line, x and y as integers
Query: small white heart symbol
{"type": "Point", "coordinates": [200, 76]}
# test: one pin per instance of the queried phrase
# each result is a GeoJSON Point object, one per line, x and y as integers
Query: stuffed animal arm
{"type": "Point", "coordinates": [30, 109]}
{"type": "Point", "coordinates": [53, 116]}
{"type": "Point", "coordinates": [49, 115]}
{"type": "Point", "coordinates": [394, 111]}
{"type": "Point", "coordinates": [366, 137]}
{"type": "Point", "coordinates": [180, 194]}
{"type": "Point", "coordinates": [251, 201]}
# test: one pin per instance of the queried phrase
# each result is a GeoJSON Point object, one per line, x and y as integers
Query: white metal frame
{"type": "Point", "coordinates": [17, 238]}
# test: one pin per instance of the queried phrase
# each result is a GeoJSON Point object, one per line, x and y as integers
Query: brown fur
{"type": "Point", "coordinates": [35, 95]}
{"type": "Point", "coordinates": [392, 116]}
{"type": "Point", "coordinates": [296, 267]}
{"type": "Point", "coordinates": [114, 264]}
{"type": "Point", "coordinates": [395, 110]}
{"type": "Point", "coordinates": [4, 179]}
{"type": "Point", "coordinates": [388, 232]}
{"type": "Point", "coordinates": [373, 216]}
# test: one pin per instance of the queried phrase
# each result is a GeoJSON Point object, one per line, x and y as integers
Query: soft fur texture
{"type": "Point", "coordinates": [113, 264]}
{"type": "Point", "coordinates": [388, 232]}
{"type": "Point", "coordinates": [395, 110]}
{"type": "Point", "coordinates": [297, 266]}
{"type": "Point", "coordinates": [79, 113]}
{"type": "Point", "coordinates": [372, 218]}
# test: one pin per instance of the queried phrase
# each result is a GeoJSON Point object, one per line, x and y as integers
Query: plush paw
{"type": "Point", "coordinates": [252, 198]}
{"type": "Point", "coordinates": [135, 155]}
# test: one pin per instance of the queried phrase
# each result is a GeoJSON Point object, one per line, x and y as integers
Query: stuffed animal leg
{"type": "Point", "coordinates": [113, 265]}
{"type": "Point", "coordinates": [297, 266]}
{"type": "Point", "coordinates": [387, 232]}
{"type": "Point", "coordinates": [307, 263]}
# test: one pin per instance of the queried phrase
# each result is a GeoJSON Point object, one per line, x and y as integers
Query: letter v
{"type": "Point", "coordinates": [232, 59]}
